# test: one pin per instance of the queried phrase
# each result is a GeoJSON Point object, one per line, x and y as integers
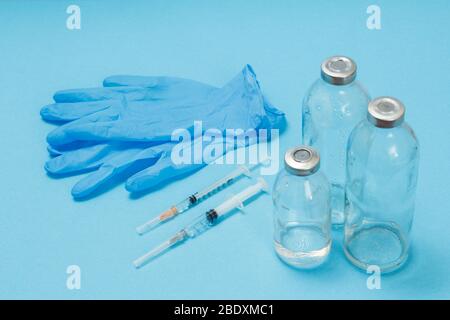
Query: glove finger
{"type": "Point", "coordinates": [121, 166]}
{"type": "Point", "coordinates": [110, 131]}
{"type": "Point", "coordinates": [166, 169]}
{"type": "Point", "coordinates": [170, 89]}
{"type": "Point", "coordinates": [57, 151]}
{"type": "Point", "coordinates": [78, 160]}
{"type": "Point", "coordinates": [84, 155]}
{"type": "Point", "coordinates": [161, 82]}
{"type": "Point", "coordinates": [86, 186]}
{"type": "Point", "coordinates": [60, 136]}
{"type": "Point", "coordinates": [75, 110]}
{"type": "Point", "coordinates": [53, 152]}
{"type": "Point", "coordinates": [96, 94]}
{"type": "Point", "coordinates": [162, 171]}
{"type": "Point", "coordinates": [135, 81]}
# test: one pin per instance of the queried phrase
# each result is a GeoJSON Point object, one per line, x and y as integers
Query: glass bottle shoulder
{"type": "Point", "coordinates": [346, 99]}
{"type": "Point", "coordinates": [310, 187]}
{"type": "Point", "coordinates": [396, 145]}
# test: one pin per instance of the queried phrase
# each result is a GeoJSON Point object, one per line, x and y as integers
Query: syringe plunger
{"type": "Point", "coordinates": [237, 201]}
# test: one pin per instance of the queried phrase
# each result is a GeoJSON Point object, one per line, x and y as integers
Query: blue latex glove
{"type": "Point", "coordinates": [149, 166]}
{"type": "Point", "coordinates": [76, 103]}
{"type": "Point", "coordinates": [153, 111]}
{"type": "Point", "coordinates": [148, 163]}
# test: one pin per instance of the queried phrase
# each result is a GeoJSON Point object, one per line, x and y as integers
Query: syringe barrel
{"type": "Point", "coordinates": [183, 205]}
{"type": "Point", "coordinates": [219, 184]}
{"type": "Point", "coordinates": [239, 199]}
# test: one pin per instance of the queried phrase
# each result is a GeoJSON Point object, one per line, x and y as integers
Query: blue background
{"type": "Point", "coordinates": [43, 230]}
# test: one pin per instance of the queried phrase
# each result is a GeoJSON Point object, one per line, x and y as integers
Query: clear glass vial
{"type": "Point", "coordinates": [382, 169]}
{"type": "Point", "coordinates": [302, 216]}
{"type": "Point", "coordinates": [332, 107]}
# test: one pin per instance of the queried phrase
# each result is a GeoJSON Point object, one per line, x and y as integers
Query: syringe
{"type": "Point", "coordinates": [204, 221]}
{"type": "Point", "coordinates": [197, 197]}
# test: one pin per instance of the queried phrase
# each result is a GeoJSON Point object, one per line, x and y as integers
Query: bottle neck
{"type": "Point", "coordinates": [338, 86]}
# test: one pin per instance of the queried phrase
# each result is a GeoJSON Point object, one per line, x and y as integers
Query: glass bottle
{"type": "Point", "coordinates": [382, 169]}
{"type": "Point", "coordinates": [302, 217]}
{"type": "Point", "coordinates": [332, 107]}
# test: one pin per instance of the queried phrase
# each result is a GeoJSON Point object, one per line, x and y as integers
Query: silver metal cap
{"type": "Point", "coordinates": [386, 112]}
{"type": "Point", "coordinates": [338, 70]}
{"type": "Point", "coordinates": [302, 161]}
